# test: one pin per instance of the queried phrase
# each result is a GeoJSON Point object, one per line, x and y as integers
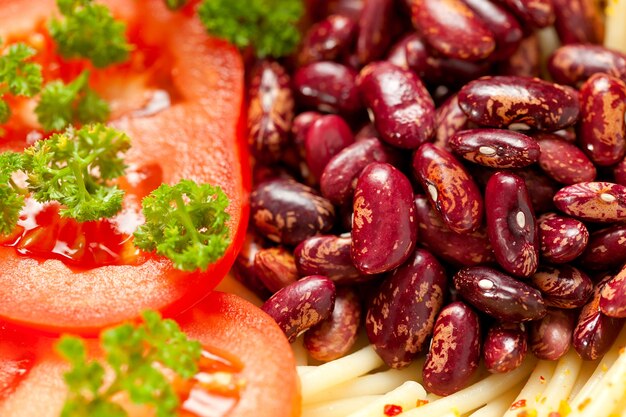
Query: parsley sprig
{"type": "Point", "coordinates": [11, 195]}
{"type": "Point", "coordinates": [136, 355]}
{"type": "Point", "coordinates": [268, 26]}
{"type": "Point", "coordinates": [18, 75]}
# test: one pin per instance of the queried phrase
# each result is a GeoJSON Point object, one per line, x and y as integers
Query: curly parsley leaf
{"type": "Point", "coordinates": [61, 105]}
{"type": "Point", "coordinates": [136, 355]}
{"type": "Point", "coordinates": [268, 26]}
{"type": "Point", "coordinates": [74, 168]}
{"type": "Point", "coordinates": [11, 197]}
{"type": "Point", "coordinates": [186, 223]}
{"type": "Point", "coordinates": [17, 75]}
{"type": "Point", "coordinates": [88, 30]}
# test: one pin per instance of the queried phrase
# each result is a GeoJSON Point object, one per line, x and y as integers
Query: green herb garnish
{"type": "Point", "coordinates": [18, 75]}
{"type": "Point", "coordinates": [11, 196]}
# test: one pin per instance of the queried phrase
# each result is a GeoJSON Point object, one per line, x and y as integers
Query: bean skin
{"type": "Point", "coordinates": [450, 119]}
{"type": "Point", "coordinates": [410, 53]}
{"type": "Point", "coordinates": [606, 249]}
{"type": "Point", "coordinates": [276, 268]}
{"type": "Point", "coordinates": [505, 347]}
{"type": "Point", "coordinates": [574, 64]}
{"type": "Point", "coordinates": [495, 148]}
{"type": "Point", "coordinates": [543, 188]}
{"type": "Point", "coordinates": [578, 21]}
{"type": "Point", "coordinates": [300, 127]}
{"type": "Point", "coordinates": [537, 13]}
{"type": "Point", "coordinates": [525, 61]}
{"type": "Point", "coordinates": [401, 316]}
{"type": "Point", "coordinates": [243, 269]}
{"type": "Point", "coordinates": [563, 287]}
{"type": "Point", "coordinates": [450, 188]}
{"type": "Point", "coordinates": [593, 201]}
{"type": "Point", "coordinates": [613, 296]}
{"type": "Point", "coordinates": [511, 224]}
{"type": "Point", "coordinates": [326, 137]}
{"type": "Point", "coordinates": [562, 239]}
{"type": "Point", "coordinates": [328, 256]}
{"type": "Point", "coordinates": [374, 30]}
{"type": "Point", "coordinates": [563, 161]}
{"type": "Point", "coordinates": [551, 337]}
{"type": "Point", "coordinates": [454, 351]}
{"type": "Point", "coordinates": [327, 40]}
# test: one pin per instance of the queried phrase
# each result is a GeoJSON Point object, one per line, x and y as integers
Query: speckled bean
{"type": "Point", "coordinates": [301, 305]}
{"type": "Point", "coordinates": [499, 295]}
{"type": "Point", "coordinates": [328, 256]}
{"type": "Point", "coordinates": [505, 347]}
{"type": "Point", "coordinates": [270, 112]}
{"type": "Point", "coordinates": [563, 161]}
{"type": "Point", "coordinates": [410, 53]}
{"type": "Point", "coordinates": [525, 61]}
{"type": "Point", "coordinates": [537, 13]}
{"type": "Point", "coordinates": [327, 39]}
{"type": "Point", "coordinates": [561, 239]}
{"type": "Point", "coordinates": [288, 212]}
{"type": "Point", "coordinates": [519, 103]}
{"type": "Point", "coordinates": [243, 268]}
{"type": "Point", "coordinates": [326, 137]}
{"type": "Point", "coordinates": [335, 336]}
{"type": "Point", "coordinates": [401, 316]}
{"type": "Point", "coordinates": [374, 27]}
{"type": "Point", "coordinates": [400, 106]}
{"type": "Point", "coordinates": [602, 127]}
{"type": "Point", "coordinates": [450, 119]}
{"type": "Point", "coordinates": [384, 227]}
{"type": "Point", "coordinates": [443, 23]}
{"type": "Point", "coordinates": [511, 224]}
{"type": "Point", "coordinates": [578, 21]}
{"type": "Point", "coordinates": [574, 64]}
{"type": "Point", "coordinates": [563, 287]}
{"type": "Point", "coordinates": [606, 249]}
{"type": "Point", "coordinates": [450, 188]}
{"type": "Point", "coordinates": [551, 337]}
{"type": "Point", "coordinates": [454, 351]}
{"type": "Point", "coordinates": [613, 296]}
{"type": "Point", "coordinates": [275, 267]}
{"type": "Point", "coordinates": [593, 201]}
{"type": "Point", "coordinates": [495, 148]}
{"type": "Point", "coordinates": [543, 188]}
{"type": "Point", "coordinates": [327, 87]}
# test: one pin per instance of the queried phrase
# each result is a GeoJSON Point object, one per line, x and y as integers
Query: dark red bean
{"type": "Point", "coordinates": [400, 106]}
{"type": "Point", "coordinates": [450, 119]}
{"type": "Point", "coordinates": [243, 269]}
{"type": "Point", "coordinates": [602, 128]}
{"type": "Point", "coordinates": [511, 224]}
{"type": "Point", "coordinates": [300, 127]}
{"type": "Point", "coordinates": [288, 212]}
{"type": "Point", "coordinates": [327, 40]}
{"type": "Point", "coordinates": [519, 103]}
{"type": "Point", "coordinates": [276, 268]}
{"type": "Point", "coordinates": [578, 21]}
{"type": "Point", "coordinates": [401, 316]}
{"type": "Point", "coordinates": [543, 188]}
{"type": "Point", "coordinates": [327, 87]}
{"type": "Point", "coordinates": [384, 228]}
{"type": "Point", "coordinates": [594, 332]}
{"type": "Point", "coordinates": [613, 296]}
{"type": "Point", "coordinates": [551, 337]}
{"type": "Point", "coordinates": [562, 239]}
{"type": "Point", "coordinates": [328, 256]}
{"type": "Point", "coordinates": [460, 249]}
{"type": "Point", "coordinates": [374, 30]}
{"type": "Point", "coordinates": [574, 64]}
{"type": "Point", "coordinates": [326, 137]}
{"type": "Point", "coordinates": [454, 352]}
{"type": "Point", "coordinates": [335, 336]}
{"type": "Point", "coordinates": [619, 173]}
{"type": "Point", "coordinates": [342, 171]}
{"type": "Point", "coordinates": [450, 188]}
{"type": "Point", "coordinates": [410, 53]}
{"type": "Point", "coordinates": [454, 72]}
{"type": "Point", "coordinates": [348, 8]}
{"type": "Point", "coordinates": [606, 249]}
{"type": "Point", "coordinates": [443, 23]}
{"type": "Point", "coordinates": [525, 61]}
{"type": "Point", "coordinates": [563, 287]}
{"type": "Point", "coordinates": [499, 295]}
{"type": "Point", "coordinates": [563, 161]}
{"type": "Point", "coordinates": [270, 112]}
{"type": "Point", "coordinates": [505, 347]}
{"type": "Point", "coordinates": [368, 131]}
{"type": "Point", "coordinates": [495, 148]}
{"type": "Point", "coordinates": [593, 201]}
{"type": "Point", "coordinates": [301, 305]}
{"type": "Point", "coordinates": [537, 13]}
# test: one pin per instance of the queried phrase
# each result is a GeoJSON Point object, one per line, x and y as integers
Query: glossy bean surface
{"type": "Point", "coordinates": [450, 119]}
{"type": "Point", "coordinates": [525, 61]}
{"type": "Point", "coordinates": [328, 256]}
{"type": "Point", "coordinates": [327, 87]}
{"type": "Point", "coordinates": [563, 287]}
{"type": "Point", "coordinates": [551, 337]}
{"type": "Point", "coordinates": [574, 64]}
{"type": "Point", "coordinates": [327, 39]}
{"type": "Point", "coordinates": [593, 201]}
{"type": "Point", "coordinates": [537, 13]}
{"type": "Point", "coordinates": [564, 161]}
{"type": "Point", "coordinates": [613, 296]}
{"type": "Point", "coordinates": [495, 148]}
{"type": "Point", "coordinates": [561, 239]}
{"type": "Point", "coordinates": [578, 21]}
{"type": "Point", "coordinates": [606, 249]}
{"type": "Point", "coordinates": [326, 137]}
{"type": "Point", "coordinates": [275, 267]}
{"type": "Point", "coordinates": [505, 347]}
{"type": "Point", "coordinates": [374, 30]}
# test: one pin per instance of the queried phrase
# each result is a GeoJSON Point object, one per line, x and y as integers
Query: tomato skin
{"type": "Point", "coordinates": [200, 137]}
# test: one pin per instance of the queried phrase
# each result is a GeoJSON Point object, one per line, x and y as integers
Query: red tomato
{"type": "Point", "coordinates": [199, 137]}
{"type": "Point", "coordinates": [31, 381]}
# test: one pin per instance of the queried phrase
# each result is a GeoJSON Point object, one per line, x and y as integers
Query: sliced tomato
{"type": "Point", "coordinates": [200, 136]}
{"type": "Point", "coordinates": [31, 381]}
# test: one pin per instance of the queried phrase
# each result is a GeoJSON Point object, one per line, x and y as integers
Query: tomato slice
{"type": "Point", "coordinates": [199, 137]}
{"type": "Point", "coordinates": [32, 383]}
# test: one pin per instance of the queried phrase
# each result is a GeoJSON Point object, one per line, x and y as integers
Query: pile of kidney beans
{"type": "Point", "coordinates": [410, 173]}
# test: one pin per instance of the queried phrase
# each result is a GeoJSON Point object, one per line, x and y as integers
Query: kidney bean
{"type": "Point", "coordinates": [520, 103]}
{"type": "Point", "coordinates": [537, 13]}
{"type": "Point", "coordinates": [606, 249]}
{"type": "Point", "coordinates": [551, 337]}
{"type": "Point", "coordinates": [243, 268]}
{"type": "Point", "coordinates": [561, 239]}
{"type": "Point", "coordinates": [326, 137]}
{"type": "Point", "coordinates": [342, 171]}
{"type": "Point", "coordinates": [454, 352]}
{"type": "Point", "coordinates": [454, 72]}
{"type": "Point", "coordinates": [400, 106]}
{"type": "Point", "coordinates": [563, 287]}
{"type": "Point", "coordinates": [574, 64]}
{"type": "Point", "coordinates": [613, 296]}
{"type": "Point", "coordinates": [410, 53]}
{"type": "Point", "coordinates": [499, 295]}
{"type": "Point", "coordinates": [328, 256]}
{"type": "Point", "coordinates": [563, 161]}
{"type": "Point", "coordinates": [368, 131]}
{"type": "Point", "coordinates": [270, 112]}
{"type": "Point", "coordinates": [374, 30]}
{"type": "Point", "coordinates": [511, 224]}
{"type": "Point", "coordinates": [401, 316]}
{"type": "Point", "coordinates": [593, 201]}
{"type": "Point", "coordinates": [335, 336]}
{"type": "Point", "coordinates": [578, 21]}
{"type": "Point", "coordinates": [301, 305]}
{"type": "Point", "coordinates": [275, 267]}
{"type": "Point", "coordinates": [327, 87]}
{"type": "Point", "coordinates": [505, 347]}
{"type": "Point", "coordinates": [327, 40]}
{"type": "Point", "coordinates": [595, 332]}
{"type": "Point", "coordinates": [495, 148]}
{"type": "Point", "coordinates": [287, 212]}
{"type": "Point", "coordinates": [525, 61]}
{"type": "Point", "coordinates": [449, 120]}
{"type": "Point", "coordinates": [543, 188]}
{"type": "Point", "coordinates": [451, 189]}
{"type": "Point", "coordinates": [619, 172]}
{"type": "Point", "coordinates": [602, 128]}
{"type": "Point", "coordinates": [460, 249]}
{"type": "Point", "coordinates": [384, 228]}
{"type": "Point", "coordinates": [300, 127]}
{"type": "Point", "coordinates": [443, 23]}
